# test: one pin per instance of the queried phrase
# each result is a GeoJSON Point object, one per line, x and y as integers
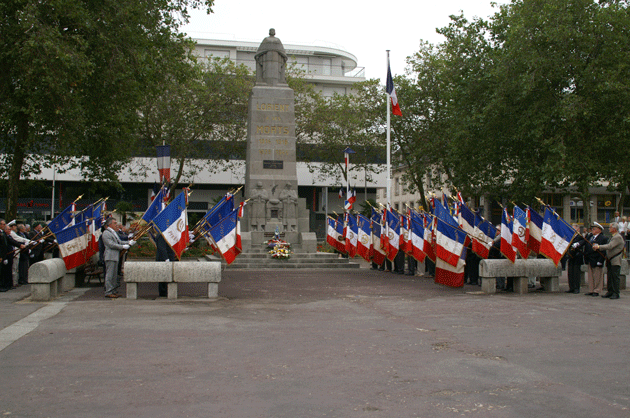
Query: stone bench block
{"type": "Point", "coordinates": [149, 272]}
{"type": "Point", "coordinates": [197, 272]}
{"type": "Point", "coordinates": [521, 268]}
{"type": "Point", "coordinates": [47, 279]}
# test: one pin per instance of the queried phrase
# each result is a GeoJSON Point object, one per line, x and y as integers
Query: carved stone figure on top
{"type": "Point", "coordinates": [271, 61]}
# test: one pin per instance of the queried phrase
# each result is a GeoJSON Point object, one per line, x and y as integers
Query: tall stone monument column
{"type": "Point", "coordinates": [271, 171]}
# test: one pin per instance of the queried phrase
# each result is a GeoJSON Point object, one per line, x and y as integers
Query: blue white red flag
{"type": "Point", "coordinates": [334, 235]}
{"type": "Point", "coordinates": [452, 276]}
{"type": "Point", "coordinates": [62, 220]}
{"type": "Point", "coordinates": [378, 253]}
{"type": "Point", "coordinates": [520, 232]}
{"type": "Point", "coordinates": [74, 244]}
{"type": "Point", "coordinates": [164, 163]}
{"type": "Point", "coordinates": [364, 238]}
{"type": "Point", "coordinates": [172, 223]}
{"type": "Point", "coordinates": [506, 237]}
{"type": "Point", "coordinates": [226, 237]}
{"type": "Point", "coordinates": [391, 90]}
{"type": "Point", "coordinates": [483, 237]}
{"type": "Point", "coordinates": [556, 236]}
{"type": "Point", "coordinates": [416, 241]}
{"type": "Point", "coordinates": [467, 219]}
{"type": "Point", "coordinates": [223, 208]}
{"type": "Point", "coordinates": [449, 242]}
{"type": "Point", "coordinates": [352, 233]}
{"type": "Point", "coordinates": [342, 192]}
{"type": "Point", "coordinates": [393, 234]}
{"type": "Point", "coordinates": [156, 206]}
{"type": "Point", "coordinates": [535, 222]}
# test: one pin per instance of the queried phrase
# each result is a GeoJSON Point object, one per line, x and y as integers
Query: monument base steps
{"type": "Point", "coordinates": [261, 260]}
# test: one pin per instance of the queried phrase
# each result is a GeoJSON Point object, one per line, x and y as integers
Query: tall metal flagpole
{"type": "Point", "coordinates": [389, 162]}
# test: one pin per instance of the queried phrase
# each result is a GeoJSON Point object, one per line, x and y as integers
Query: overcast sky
{"type": "Point", "coordinates": [365, 28]}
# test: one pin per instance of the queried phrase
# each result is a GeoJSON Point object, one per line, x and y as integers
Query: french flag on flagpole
{"type": "Point", "coordinates": [483, 237]}
{"type": "Point", "coordinates": [334, 235]}
{"type": "Point", "coordinates": [393, 234]}
{"type": "Point", "coordinates": [74, 244]}
{"type": "Point", "coordinates": [417, 240]}
{"type": "Point", "coordinates": [535, 222]}
{"type": "Point", "coordinates": [364, 237]}
{"type": "Point", "coordinates": [466, 219]}
{"type": "Point", "coordinates": [556, 236]}
{"type": "Point", "coordinates": [506, 237]}
{"type": "Point", "coordinates": [156, 206]}
{"type": "Point", "coordinates": [378, 254]}
{"type": "Point", "coordinates": [172, 223]}
{"type": "Point", "coordinates": [226, 236]}
{"type": "Point", "coordinates": [351, 235]}
{"type": "Point", "coordinates": [164, 163]}
{"type": "Point", "coordinates": [449, 242]}
{"type": "Point", "coordinates": [391, 90]}
{"type": "Point", "coordinates": [520, 232]}
{"type": "Point", "coordinates": [62, 220]}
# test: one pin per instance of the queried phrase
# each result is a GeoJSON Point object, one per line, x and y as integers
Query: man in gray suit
{"type": "Point", "coordinates": [614, 251]}
{"type": "Point", "coordinates": [113, 246]}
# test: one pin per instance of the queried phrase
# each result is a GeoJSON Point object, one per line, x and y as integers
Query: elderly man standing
{"type": "Point", "coordinates": [113, 246]}
{"type": "Point", "coordinates": [614, 250]}
{"type": "Point", "coordinates": [595, 259]}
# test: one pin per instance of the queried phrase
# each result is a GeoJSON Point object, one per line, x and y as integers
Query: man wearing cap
{"type": "Point", "coordinates": [614, 250]}
{"type": "Point", "coordinates": [595, 259]}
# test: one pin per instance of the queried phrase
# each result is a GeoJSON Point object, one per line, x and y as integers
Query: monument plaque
{"type": "Point", "coordinates": [271, 170]}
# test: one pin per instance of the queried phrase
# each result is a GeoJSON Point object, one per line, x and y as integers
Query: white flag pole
{"type": "Point", "coordinates": [389, 163]}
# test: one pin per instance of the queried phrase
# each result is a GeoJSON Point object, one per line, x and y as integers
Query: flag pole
{"type": "Point", "coordinates": [389, 163]}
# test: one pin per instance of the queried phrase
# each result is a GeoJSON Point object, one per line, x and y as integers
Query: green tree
{"type": "Point", "coordinates": [202, 114]}
{"type": "Point", "coordinates": [73, 74]}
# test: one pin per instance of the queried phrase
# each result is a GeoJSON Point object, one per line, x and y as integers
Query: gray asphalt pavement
{"type": "Point", "coordinates": [315, 344]}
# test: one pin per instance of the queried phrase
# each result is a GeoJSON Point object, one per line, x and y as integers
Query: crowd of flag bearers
{"type": "Point", "coordinates": [77, 234]}
{"type": "Point", "coordinates": [444, 236]}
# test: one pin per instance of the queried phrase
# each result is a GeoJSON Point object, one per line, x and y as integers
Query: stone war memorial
{"type": "Point", "coordinates": [271, 173]}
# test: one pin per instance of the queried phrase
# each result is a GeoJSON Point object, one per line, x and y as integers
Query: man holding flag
{"type": "Point", "coordinates": [113, 246]}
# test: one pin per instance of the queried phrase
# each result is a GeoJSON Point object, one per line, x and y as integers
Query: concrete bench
{"type": "Point", "coordinates": [49, 278]}
{"type": "Point", "coordinates": [172, 273]}
{"type": "Point", "coordinates": [521, 270]}
{"type": "Point", "coordinates": [622, 275]}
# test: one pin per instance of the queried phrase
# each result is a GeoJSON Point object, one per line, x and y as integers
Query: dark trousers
{"type": "Point", "coordinates": [399, 262]}
{"type": "Point", "coordinates": [613, 279]}
{"type": "Point", "coordinates": [574, 272]}
{"type": "Point", "coordinates": [430, 266]}
{"type": "Point", "coordinates": [412, 265]}
{"type": "Point", "coordinates": [6, 274]}
{"type": "Point", "coordinates": [23, 269]}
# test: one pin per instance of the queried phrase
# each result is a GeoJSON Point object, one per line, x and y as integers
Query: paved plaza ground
{"type": "Point", "coordinates": [288, 343]}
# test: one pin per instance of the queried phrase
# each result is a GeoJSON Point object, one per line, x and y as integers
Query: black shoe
{"type": "Point", "coordinates": [22, 282]}
{"type": "Point", "coordinates": [4, 289]}
{"type": "Point", "coordinates": [589, 294]}
{"type": "Point", "coordinates": [576, 291]}
{"type": "Point", "coordinates": [595, 294]}
{"type": "Point", "coordinates": [614, 296]}
{"type": "Point", "coordinates": [568, 291]}
{"type": "Point", "coordinates": [607, 295]}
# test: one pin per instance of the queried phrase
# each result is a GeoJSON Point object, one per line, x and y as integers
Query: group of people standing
{"type": "Point", "coordinates": [596, 250]}
{"type": "Point", "coordinates": [20, 247]}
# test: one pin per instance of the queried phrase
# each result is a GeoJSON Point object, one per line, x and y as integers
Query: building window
{"type": "Point", "coordinates": [216, 53]}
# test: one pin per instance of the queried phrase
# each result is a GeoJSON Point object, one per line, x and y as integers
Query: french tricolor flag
{"type": "Point", "coordinates": [164, 162]}
{"type": "Point", "coordinates": [483, 237]}
{"type": "Point", "coordinates": [172, 223]}
{"type": "Point", "coordinates": [377, 253]}
{"type": "Point", "coordinates": [351, 235]}
{"type": "Point", "coordinates": [391, 90]}
{"type": "Point", "coordinates": [226, 236]}
{"type": "Point", "coordinates": [335, 236]}
{"type": "Point", "coordinates": [74, 244]}
{"type": "Point", "coordinates": [364, 238]}
{"type": "Point", "coordinates": [556, 236]}
{"type": "Point", "coordinates": [535, 230]}
{"type": "Point", "coordinates": [506, 237]}
{"type": "Point", "coordinates": [449, 242]}
{"type": "Point", "coordinates": [520, 232]}
{"type": "Point", "coordinates": [393, 234]}
{"type": "Point", "coordinates": [417, 240]}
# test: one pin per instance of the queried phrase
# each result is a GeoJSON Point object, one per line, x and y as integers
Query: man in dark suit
{"type": "Point", "coordinates": [7, 246]}
{"type": "Point", "coordinates": [576, 260]}
{"type": "Point", "coordinates": [595, 259]}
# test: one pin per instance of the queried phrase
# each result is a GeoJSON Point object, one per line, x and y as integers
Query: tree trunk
{"type": "Point", "coordinates": [16, 168]}
{"type": "Point", "coordinates": [586, 204]}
